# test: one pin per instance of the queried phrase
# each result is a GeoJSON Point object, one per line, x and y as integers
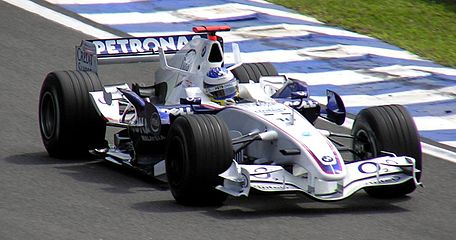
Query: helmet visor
{"type": "Point", "coordinates": [227, 90]}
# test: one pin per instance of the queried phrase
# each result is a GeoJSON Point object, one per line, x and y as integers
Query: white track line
{"type": "Point", "coordinates": [133, 18]}
{"type": "Point", "coordinates": [92, 1]}
{"type": "Point", "coordinates": [438, 152]}
{"type": "Point", "coordinates": [60, 18]}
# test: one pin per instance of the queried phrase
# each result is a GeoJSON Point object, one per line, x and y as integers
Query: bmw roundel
{"type": "Point", "coordinates": [327, 159]}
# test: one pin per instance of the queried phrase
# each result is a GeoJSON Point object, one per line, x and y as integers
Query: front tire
{"type": "Point", "coordinates": [198, 150]}
{"type": "Point", "coordinates": [69, 123]}
{"type": "Point", "coordinates": [391, 129]}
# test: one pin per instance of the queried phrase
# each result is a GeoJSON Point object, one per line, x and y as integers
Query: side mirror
{"type": "Point", "coordinates": [335, 109]}
{"type": "Point", "coordinates": [271, 84]}
{"type": "Point", "coordinates": [299, 95]}
{"type": "Point", "coordinates": [292, 88]}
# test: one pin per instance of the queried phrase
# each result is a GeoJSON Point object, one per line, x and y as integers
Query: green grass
{"type": "Point", "coordinates": [424, 27]}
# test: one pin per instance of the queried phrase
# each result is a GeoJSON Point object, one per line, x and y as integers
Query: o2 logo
{"type": "Point", "coordinates": [266, 174]}
{"type": "Point", "coordinates": [369, 167]}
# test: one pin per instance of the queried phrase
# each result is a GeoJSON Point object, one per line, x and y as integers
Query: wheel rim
{"type": "Point", "coordinates": [364, 145]}
{"type": "Point", "coordinates": [176, 159]}
{"type": "Point", "coordinates": [49, 115]}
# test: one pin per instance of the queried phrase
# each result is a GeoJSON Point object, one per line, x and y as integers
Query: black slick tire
{"type": "Point", "coordinates": [387, 128]}
{"type": "Point", "coordinates": [198, 150]}
{"type": "Point", "coordinates": [253, 71]}
{"type": "Point", "coordinates": [69, 123]}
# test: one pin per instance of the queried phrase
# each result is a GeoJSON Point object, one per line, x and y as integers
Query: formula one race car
{"type": "Point", "coordinates": [212, 131]}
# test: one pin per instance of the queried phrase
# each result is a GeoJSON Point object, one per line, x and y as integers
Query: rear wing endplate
{"type": "Point", "coordinates": [127, 50]}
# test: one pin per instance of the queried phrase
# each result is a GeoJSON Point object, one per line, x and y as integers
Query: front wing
{"type": "Point", "coordinates": [239, 178]}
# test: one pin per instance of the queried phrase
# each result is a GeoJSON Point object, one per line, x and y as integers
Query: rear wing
{"type": "Point", "coordinates": [128, 50]}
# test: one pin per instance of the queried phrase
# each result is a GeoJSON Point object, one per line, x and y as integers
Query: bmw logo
{"type": "Point", "coordinates": [327, 159]}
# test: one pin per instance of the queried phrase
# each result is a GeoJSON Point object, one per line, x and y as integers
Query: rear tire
{"type": "Point", "coordinates": [69, 123]}
{"type": "Point", "coordinates": [253, 71]}
{"type": "Point", "coordinates": [198, 150]}
{"type": "Point", "coordinates": [387, 128]}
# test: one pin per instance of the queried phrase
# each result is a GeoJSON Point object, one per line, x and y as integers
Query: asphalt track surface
{"type": "Point", "coordinates": [46, 198]}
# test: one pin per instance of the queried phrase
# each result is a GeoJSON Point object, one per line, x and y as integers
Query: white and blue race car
{"type": "Point", "coordinates": [212, 131]}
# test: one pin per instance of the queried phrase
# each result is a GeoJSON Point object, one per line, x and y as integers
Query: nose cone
{"type": "Point", "coordinates": [328, 163]}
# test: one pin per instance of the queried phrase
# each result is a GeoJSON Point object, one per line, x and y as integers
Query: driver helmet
{"type": "Point", "coordinates": [220, 85]}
